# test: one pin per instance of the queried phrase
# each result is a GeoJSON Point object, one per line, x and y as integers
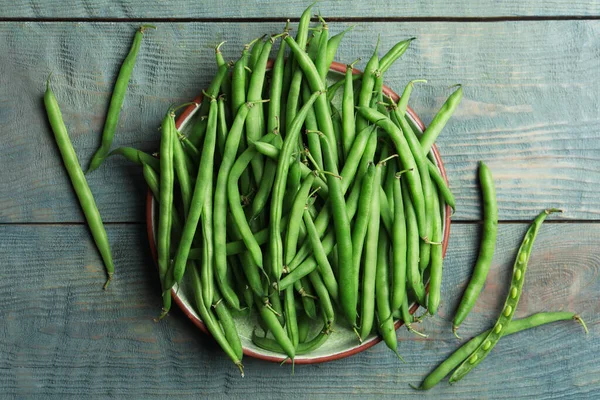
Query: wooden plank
{"type": "Point", "coordinates": [281, 9]}
{"type": "Point", "coordinates": [531, 107]}
{"type": "Point", "coordinates": [62, 336]}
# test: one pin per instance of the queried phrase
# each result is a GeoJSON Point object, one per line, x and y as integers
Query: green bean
{"type": "Point", "coordinates": [303, 348]}
{"type": "Point", "coordinates": [319, 253]}
{"type": "Point", "coordinates": [116, 100]}
{"type": "Point", "coordinates": [220, 198]}
{"type": "Point", "coordinates": [296, 79]}
{"type": "Point", "coordinates": [386, 326]}
{"type": "Point", "coordinates": [515, 326]}
{"type": "Point", "coordinates": [165, 215]}
{"type": "Point", "coordinates": [280, 335]}
{"type": "Point", "coordinates": [227, 323]}
{"type": "Point", "coordinates": [361, 153]}
{"type": "Point", "coordinates": [292, 185]}
{"type": "Point", "coordinates": [316, 85]}
{"type": "Point", "coordinates": [295, 219]}
{"type": "Point", "coordinates": [233, 196]}
{"type": "Point", "coordinates": [413, 276]}
{"type": "Point", "coordinates": [182, 174]}
{"type": "Point", "coordinates": [188, 147]}
{"type": "Point", "coordinates": [277, 73]}
{"type": "Point", "coordinates": [255, 124]}
{"type": "Point", "coordinates": [238, 79]}
{"type": "Point", "coordinates": [407, 318]}
{"type": "Point", "coordinates": [199, 196]}
{"type": "Point", "coordinates": [486, 248]}
{"type": "Point", "coordinates": [137, 156]}
{"type": "Point", "coordinates": [241, 282]}
{"type": "Point", "coordinates": [80, 185]}
{"type": "Point", "coordinates": [438, 179]}
{"type": "Point", "coordinates": [321, 59]}
{"type": "Point", "coordinates": [291, 321]}
{"type": "Point", "coordinates": [333, 88]}
{"type": "Point", "coordinates": [408, 162]}
{"type": "Point", "coordinates": [199, 128]}
{"type": "Point", "coordinates": [222, 128]}
{"type": "Point", "coordinates": [323, 296]}
{"type": "Point", "coordinates": [393, 54]}
{"type": "Point", "coordinates": [336, 120]}
{"type": "Point", "coordinates": [349, 124]}
{"type": "Point", "coordinates": [210, 322]}
{"type": "Point", "coordinates": [441, 118]}
{"type": "Point", "coordinates": [314, 144]}
{"type": "Point", "coordinates": [333, 44]}
{"type": "Point", "coordinates": [369, 266]}
{"type": "Point", "coordinates": [399, 248]}
{"type": "Point", "coordinates": [304, 288]}
{"type": "Point", "coordinates": [276, 247]}
{"type": "Point", "coordinates": [303, 328]}
{"type": "Point", "coordinates": [403, 101]}
{"type": "Point", "coordinates": [272, 152]}
{"type": "Point", "coordinates": [256, 52]}
{"type": "Point", "coordinates": [226, 84]}
{"type": "Point", "coordinates": [366, 90]}
{"type": "Point", "coordinates": [510, 305]}
{"type": "Point", "coordinates": [436, 263]}
{"type": "Point", "coordinates": [349, 294]}
{"type": "Point", "coordinates": [206, 267]}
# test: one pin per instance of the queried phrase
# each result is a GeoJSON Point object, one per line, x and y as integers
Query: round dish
{"type": "Point", "coordinates": [342, 342]}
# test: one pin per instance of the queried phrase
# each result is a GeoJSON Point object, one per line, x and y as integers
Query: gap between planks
{"type": "Point", "coordinates": [332, 19]}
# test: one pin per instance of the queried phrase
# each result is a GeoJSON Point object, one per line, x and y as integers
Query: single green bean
{"type": "Point", "coordinates": [349, 294]}
{"type": "Point", "coordinates": [116, 100]}
{"type": "Point", "coordinates": [137, 156]}
{"type": "Point", "coordinates": [295, 219]}
{"type": "Point", "coordinates": [393, 54]}
{"type": "Point", "coordinates": [369, 266]}
{"type": "Point", "coordinates": [399, 248]}
{"type": "Point", "coordinates": [80, 185]}
{"type": "Point", "coordinates": [386, 326]}
{"type": "Point", "coordinates": [486, 248]}
{"type": "Point", "coordinates": [436, 263]}
{"type": "Point", "coordinates": [413, 276]}
{"type": "Point", "coordinates": [441, 118]}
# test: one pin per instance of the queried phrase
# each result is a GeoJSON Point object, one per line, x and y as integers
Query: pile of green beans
{"type": "Point", "coordinates": [316, 213]}
{"type": "Point", "coordinates": [297, 210]}
{"type": "Point", "coordinates": [311, 210]}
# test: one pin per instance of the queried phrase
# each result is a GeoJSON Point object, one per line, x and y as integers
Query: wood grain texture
{"type": "Point", "coordinates": [531, 107]}
{"type": "Point", "coordinates": [286, 9]}
{"type": "Point", "coordinates": [61, 336]}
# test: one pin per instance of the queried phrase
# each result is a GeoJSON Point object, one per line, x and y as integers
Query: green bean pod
{"type": "Point", "coordinates": [183, 176]}
{"type": "Point", "coordinates": [291, 321]}
{"type": "Point", "coordinates": [304, 289]}
{"type": "Point", "coordinates": [413, 276]}
{"type": "Point", "coordinates": [515, 326]}
{"type": "Point", "coordinates": [408, 162]}
{"type": "Point", "coordinates": [279, 333]}
{"type": "Point", "coordinates": [210, 321]}
{"type": "Point", "coordinates": [437, 178]}
{"type": "Point", "coordinates": [137, 156]}
{"type": "Point", "coordinates": [228, 324]}
{"type": "Point", "coordinates": [441, 118]}
{"type": "Point", "coordinates": [80, 185]}
{"type": "Point", "coordinates": [486, 248]}
{"type": "Point", "coordinates": [199, 128]}
{"type": "Point", "coordinates": [321, 257]}
{"type": "Point", "coordinates": [276, 246]}
{"type": "Point", "coordinates": [316, 85]}
{"type": "Point", "coordinates": [295, 219]}
{"type": "Point", "coordinates": [366, 89]}
{"type": "Point", "coordinates": [116, 100]}
{"type": "Point", "coordinates": [303, 348]}
{"type": "Point", "coordinates": [349, 294]}
{"type": "Point", "coordinates": [323, 296]}
{"type": "Point", "coordinates": [386, 326]}
{"type": "Point", "coordinates": [333, 44]}
{"type": "Point", "coordinates": [436, 262]}
{"type": "Point", "coordinates": [399, 248]}
{"type": "Point", "coordinates": [348, 122]}
{"type": "Point", "coordinates": [165, 215]}
{"type": "Point", "coordinates": [510, 305]}
{"type": "Point", "coordinates": [369, 266]}
{"type": "Point", "coordinates": [393, 54]}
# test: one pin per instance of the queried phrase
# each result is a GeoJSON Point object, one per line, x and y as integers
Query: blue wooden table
{"type": "Point", "coordinates": [531, 111]}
